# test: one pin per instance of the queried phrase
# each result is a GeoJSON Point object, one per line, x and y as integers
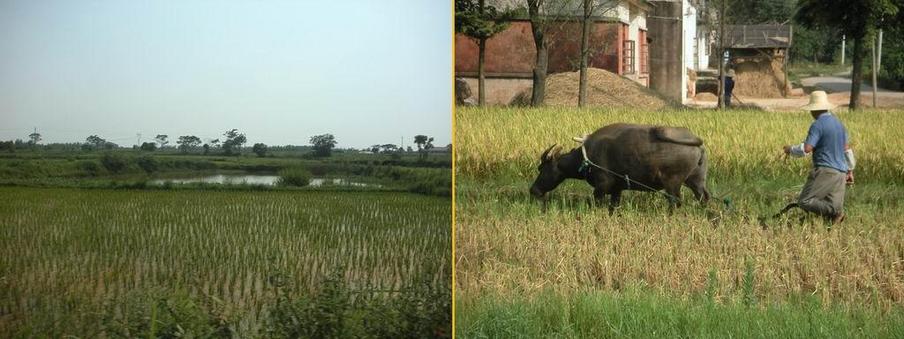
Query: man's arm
{"type": "Point", "coordinates": [805, 147]}
{"type": "Point", "coordinates": [798, 150]}
{"type": "Point", "coordinates": [851, 163]}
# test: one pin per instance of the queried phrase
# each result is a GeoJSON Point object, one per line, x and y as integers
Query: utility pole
{"type": "Point", "coordinates": [875, 70]}
{"type": "Point", "coordinates": [843, 38]}
{"type": "Point", "coordinates": [879, 53]}
{"type": "Point", "coordinates": [721, 101]}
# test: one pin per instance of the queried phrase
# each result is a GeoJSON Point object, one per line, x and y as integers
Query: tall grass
{"type": "Point", "coordinates": [70, 259]}
{"type": "Point", "coordinates": [740, 144]}
{"type": "Point", "coordinates": [636, 313]}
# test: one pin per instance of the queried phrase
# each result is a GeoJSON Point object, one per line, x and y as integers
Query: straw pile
{"type": "Point", "coordinates": [604, 89]}
{"type": "Point", "coordinates": [760, 77]}
{"type": "Point", "coordinates": [706, 96]}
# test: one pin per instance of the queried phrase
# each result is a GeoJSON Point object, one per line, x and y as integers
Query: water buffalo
{"type": "Point", "coordinates": [629, 157]}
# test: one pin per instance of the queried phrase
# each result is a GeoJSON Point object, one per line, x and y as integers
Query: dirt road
{"type": "Point", "coordinates": [839, 94]}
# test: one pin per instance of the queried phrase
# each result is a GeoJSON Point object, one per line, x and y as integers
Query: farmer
{"type": "Point", "coordinates": [729, 86]}
{"type": "Point", "coordinates": [833, 161]}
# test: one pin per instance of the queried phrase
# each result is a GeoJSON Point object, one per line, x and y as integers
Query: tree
{"type": "Point", "coordinates": [9, 146]}
{"type": "Point", "coordinates": [857, 20]}
{"type": "Point", "coordinates": [388, 148]}
{"type": "Point", "coordinates": [752, 12]}
{"type": "Point", "coordinates": [161, 139]}
{"type": "Point", "coordinates": [420, 140]}
{"type": "Point", "coordinates": [148, 146]}
{"type": "Point", "coordinates": [188, 142]}
{"type": "Point", "coordinates": [259, 149]}
{"type": "Point", "coordinates": [818, 44]}
{"type": "Point", "coordinates": [375, 149]}
{"type": "Point", "coordinates": [323, 144]}
{"type": "Point", "coordinates": [34, 138]}
{"type": "Point", "coordinates": [893, 55]}
{"type": "Point", "coordinates": [479, 22]}
{"type": "Point", "coordinates": [94, 142]}
{"type": "Point", "coordinates": [206, 148]}
{"type": "Point", "coordinates": [424, 143]}
{"type": "Point", "coordinates": [409, 150]}
{"type": "Point", "coordinates": [234, 142]}
{"type": "Point", "coordinates": [538, 93]}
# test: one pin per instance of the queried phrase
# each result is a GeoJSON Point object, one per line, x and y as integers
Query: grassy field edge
{"type": "Point", "coordinates": [640, 313]}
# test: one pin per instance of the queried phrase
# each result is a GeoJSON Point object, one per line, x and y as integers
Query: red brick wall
{"type": "Point", "coordinates": [512, 51]}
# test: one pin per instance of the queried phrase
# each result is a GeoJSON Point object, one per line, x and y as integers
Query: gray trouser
{"type": "Point", "coordinates": [824, 192]}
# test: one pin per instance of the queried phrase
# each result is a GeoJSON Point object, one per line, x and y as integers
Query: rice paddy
{"type": "Point", "coordinates": [71, 259]}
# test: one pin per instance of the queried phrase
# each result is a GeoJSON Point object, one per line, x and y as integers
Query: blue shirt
{"type": "Point", "coordinates": [828, 137]}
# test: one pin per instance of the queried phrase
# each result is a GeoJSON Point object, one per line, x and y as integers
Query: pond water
{"type": "Point", "coordinates": [254, 179]}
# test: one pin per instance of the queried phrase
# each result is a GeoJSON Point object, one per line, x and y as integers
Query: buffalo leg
{"type": "Point", "coordinates": [614, 201]}
{"type": "Point", "coordinates": [599, 196]}
{"type": "Point", "coordinates": [698, 186]}
{"type": "Point", "coordinates": [674, 197]}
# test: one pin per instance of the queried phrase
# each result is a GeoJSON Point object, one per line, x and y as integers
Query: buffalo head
{"type": "Point", "coordinates": [550, 175]}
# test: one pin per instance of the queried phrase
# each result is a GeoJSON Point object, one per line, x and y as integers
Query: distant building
{"type": "Point", "coordinates": [618, 44]}
{"type": "Point", "coordinates": [758, 55]}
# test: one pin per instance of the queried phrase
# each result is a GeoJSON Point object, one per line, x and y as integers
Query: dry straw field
{"type": "Point", "coordinates": [510, 251]}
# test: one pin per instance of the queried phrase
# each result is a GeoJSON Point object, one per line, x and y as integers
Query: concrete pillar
{"type": "Point", "coordinates": [664, 24]}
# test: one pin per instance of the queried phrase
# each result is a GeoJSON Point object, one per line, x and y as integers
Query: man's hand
{"type": "Point", "coordinates": [850, 178]}
{"type": "Point", "coordinates": [787, 149]}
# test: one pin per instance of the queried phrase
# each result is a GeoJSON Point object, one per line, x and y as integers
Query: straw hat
{"type": "Point", "coordinates": [730, 73]}
{"type": "Point", "coordinates": [818, 101]}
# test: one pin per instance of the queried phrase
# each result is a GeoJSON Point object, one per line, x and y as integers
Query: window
{"type": "Point", "coordinates": [628, 57]}
{"type": "Point", "coordinates": [644, 52]}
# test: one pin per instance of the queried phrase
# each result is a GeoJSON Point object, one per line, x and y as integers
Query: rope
{"type": "Point", "coordinates": [587, 162]}
{"type": "Point", "coordinates": [628, 180]}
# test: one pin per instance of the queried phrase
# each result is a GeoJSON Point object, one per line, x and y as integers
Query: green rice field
{"type": "Point", "coordinates": [168, 263]}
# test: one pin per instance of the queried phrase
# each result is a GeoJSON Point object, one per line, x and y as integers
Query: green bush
{"type": "Point", "coordinates": [294, 176]}
{"type": "Point", "coordinates": [89, 167]}
{"type": "Point", "coordinates": [114, 163]}
{"type": "Point", "coordinates": [160, 314]}
{"type": "Point", "coordinates": [147, 163]}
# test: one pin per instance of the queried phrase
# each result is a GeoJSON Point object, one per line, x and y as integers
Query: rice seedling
{"type": "Point", "coordinates": [71, 260]}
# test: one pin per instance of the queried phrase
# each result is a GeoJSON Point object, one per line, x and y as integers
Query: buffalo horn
{"type": "Point", "coordinates": [545, 154]}
{"type": "Point", "coordinates": [555, 152]}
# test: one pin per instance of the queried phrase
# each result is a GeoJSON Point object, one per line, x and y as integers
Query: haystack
{"type": "Point", "coordinates": [760, 77]}
{"type": "Point", "coordinates": [706, 96]}
{"type": "Point", "coordinates": [604, 89]}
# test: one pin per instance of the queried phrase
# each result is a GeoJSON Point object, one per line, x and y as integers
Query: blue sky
{"type": "Point", "coordinates": [369, 72]}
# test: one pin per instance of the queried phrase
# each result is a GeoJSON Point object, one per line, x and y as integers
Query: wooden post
{"type": "Point", "coordinates": [879, 53]}
{"type": "Point", "coordinates": [843, 38]}
{"type": "Point", "coordinates": [875, 70]}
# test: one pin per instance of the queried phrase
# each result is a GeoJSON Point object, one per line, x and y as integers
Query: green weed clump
{"type": "Point", "coordinates": [294, 176]}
